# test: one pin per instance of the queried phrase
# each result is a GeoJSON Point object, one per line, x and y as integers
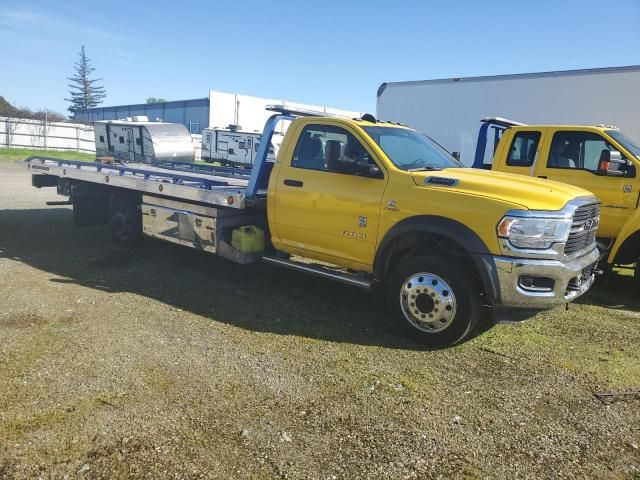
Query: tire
{"type": "Point", "coordinates": [636, 272]}
{"type": "Point", "coordinates": [125, 220]}
{"type": "Point", "coordinates": [434, 300]}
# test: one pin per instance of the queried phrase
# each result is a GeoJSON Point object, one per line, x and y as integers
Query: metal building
{"type": "Point", "coordinates": [193, 114]}
{"type": "Point", "coordinates": [218, 110]}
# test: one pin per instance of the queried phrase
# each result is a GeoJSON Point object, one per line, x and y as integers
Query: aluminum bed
{"type": "Point", "coordinates": [215, 186]}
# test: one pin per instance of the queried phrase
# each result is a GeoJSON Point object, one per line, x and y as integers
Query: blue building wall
{"type": "Point", "coordinates": [193, 114]}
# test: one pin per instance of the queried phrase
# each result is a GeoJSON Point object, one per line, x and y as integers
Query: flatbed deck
{"type": "Point", "coordinates": [215, 186]}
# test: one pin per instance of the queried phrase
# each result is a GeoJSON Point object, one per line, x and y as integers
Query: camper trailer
{"type": "Point", "coordinates": [136, 139]}
{"type": "Point", "coordinates": [232, 147]}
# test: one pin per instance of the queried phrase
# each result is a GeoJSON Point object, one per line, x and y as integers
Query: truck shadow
{"type": "Point", "coordinates": [617, 292]}
{"type": "Point", "coordinates": [256, 297]}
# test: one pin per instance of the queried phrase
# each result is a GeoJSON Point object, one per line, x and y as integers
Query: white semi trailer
{"type": "Point", "coordinates": [451, 109]}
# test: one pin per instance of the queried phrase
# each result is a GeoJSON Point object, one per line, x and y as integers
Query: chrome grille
{"type": "Point", "coordinates": [583, 228]}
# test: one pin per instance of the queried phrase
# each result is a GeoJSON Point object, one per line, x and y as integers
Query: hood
{"type": "Point", "coordinates": [529, 192]}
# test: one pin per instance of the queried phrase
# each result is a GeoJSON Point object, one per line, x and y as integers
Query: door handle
{"type": "Point", "coordinates": [542, 176]}
{"type": "Point", "coordinates": [293, 183]}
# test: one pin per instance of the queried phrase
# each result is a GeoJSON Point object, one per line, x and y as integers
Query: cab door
{"type": "Point", "coordinates": [573, 157]}
{"type": "Point", "coordinates": [522, 151]}
{"type": "Point", "coordinates": [324, 213]}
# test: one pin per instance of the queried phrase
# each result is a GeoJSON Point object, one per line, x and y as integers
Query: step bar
{"type": "Point", "coordinates": [320, 271]}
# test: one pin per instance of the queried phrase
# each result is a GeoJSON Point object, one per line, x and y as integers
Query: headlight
{"type": "Point", "coordinates": [534, 233]}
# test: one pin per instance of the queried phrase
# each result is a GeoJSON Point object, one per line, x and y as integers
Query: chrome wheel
{"type": "Point", "coordinates": [428, 302]}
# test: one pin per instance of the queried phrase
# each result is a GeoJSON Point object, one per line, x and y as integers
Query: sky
{"type": "Point", "coordinates": [333, 53]}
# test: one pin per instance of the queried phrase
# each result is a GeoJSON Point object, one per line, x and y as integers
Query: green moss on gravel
{"type": "Point", "coordinates": [588, 340]}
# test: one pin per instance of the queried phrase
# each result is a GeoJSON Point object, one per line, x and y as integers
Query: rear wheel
{"type": "Point", "coordinates": [125, 220]}
{"type": "Point", "coordinates": [636, 272]}
{"type": "Point", "coordinates": [434, 300]}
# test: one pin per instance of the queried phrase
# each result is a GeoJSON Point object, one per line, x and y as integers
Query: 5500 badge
{"type": "Point", "coordinates": [356, 235]}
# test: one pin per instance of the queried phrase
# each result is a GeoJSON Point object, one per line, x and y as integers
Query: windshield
{"type": "Point", "coordinates": [625, 141]}
{"type": "Point", "coordinates": [410, 150]}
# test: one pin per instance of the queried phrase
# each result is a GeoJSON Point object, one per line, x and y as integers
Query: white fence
{"type": "Point", "coordinates": [36, 134]}
{"type": "Point", "coordinates": [43, 135]}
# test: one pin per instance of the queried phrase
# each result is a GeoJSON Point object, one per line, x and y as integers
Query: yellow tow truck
{"type": "Point", "coordinates": [600, 159]}
{"type": "Point", "coordinates": [364, 203]}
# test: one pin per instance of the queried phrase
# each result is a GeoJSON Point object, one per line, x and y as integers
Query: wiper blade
{"type": "Point", "coordinates": [424, 169]}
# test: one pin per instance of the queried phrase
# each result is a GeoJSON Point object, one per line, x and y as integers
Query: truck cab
{"type": "Point", "coordinates": [600, 159]}
{"type": "Point", "coordinates": [387, 202]}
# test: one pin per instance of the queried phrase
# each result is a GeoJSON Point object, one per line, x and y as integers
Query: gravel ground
{"type": "Point", "coordinates": [163, 362]}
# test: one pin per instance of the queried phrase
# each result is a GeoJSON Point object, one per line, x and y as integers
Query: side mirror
{"type": "Point", "coordinates": [374, 172]}
{"type": "Point", "coordinates": [612, 164]}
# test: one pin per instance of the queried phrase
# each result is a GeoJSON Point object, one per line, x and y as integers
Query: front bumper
{"type": "Point", "coordinates": [570, 280]}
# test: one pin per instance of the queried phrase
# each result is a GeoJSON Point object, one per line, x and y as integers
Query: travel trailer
{"type": "Point", "coordinates": [136, 139]}
{"type": "Point", "coordinates": [233, 147]}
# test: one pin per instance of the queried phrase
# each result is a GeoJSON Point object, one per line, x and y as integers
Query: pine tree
{"type": "Point", "coordinates": [84, 90]}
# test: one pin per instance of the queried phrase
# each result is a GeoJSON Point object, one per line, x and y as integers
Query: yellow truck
{"type": "Point", "coordinates": [365, 203]}
{"type": "Point", "coordinates": [600, 159]}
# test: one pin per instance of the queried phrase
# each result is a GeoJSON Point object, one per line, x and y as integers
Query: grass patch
{"type": "Point", "coordinates": [17, 154]}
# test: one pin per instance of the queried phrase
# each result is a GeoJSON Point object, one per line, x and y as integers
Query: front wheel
{"type": "Point", "coordinates": [434, 300]}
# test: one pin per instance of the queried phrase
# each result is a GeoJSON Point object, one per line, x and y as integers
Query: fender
{"type": "Point", "coordinates": [457, 232]}
{"type": "Point", "coordinates": [631, 226]}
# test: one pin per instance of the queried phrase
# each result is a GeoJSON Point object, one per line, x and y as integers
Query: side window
{"type": "Point", "coordinates": [208, 138]}
{"type": "Point", "coordinates": [322, 147]}
{"type": "Point", "coordinates": [579, 150]}
{"type": "Point", "coordinates": [523, 149]}
{"type": "Point", "coordinates": [101, 138]}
